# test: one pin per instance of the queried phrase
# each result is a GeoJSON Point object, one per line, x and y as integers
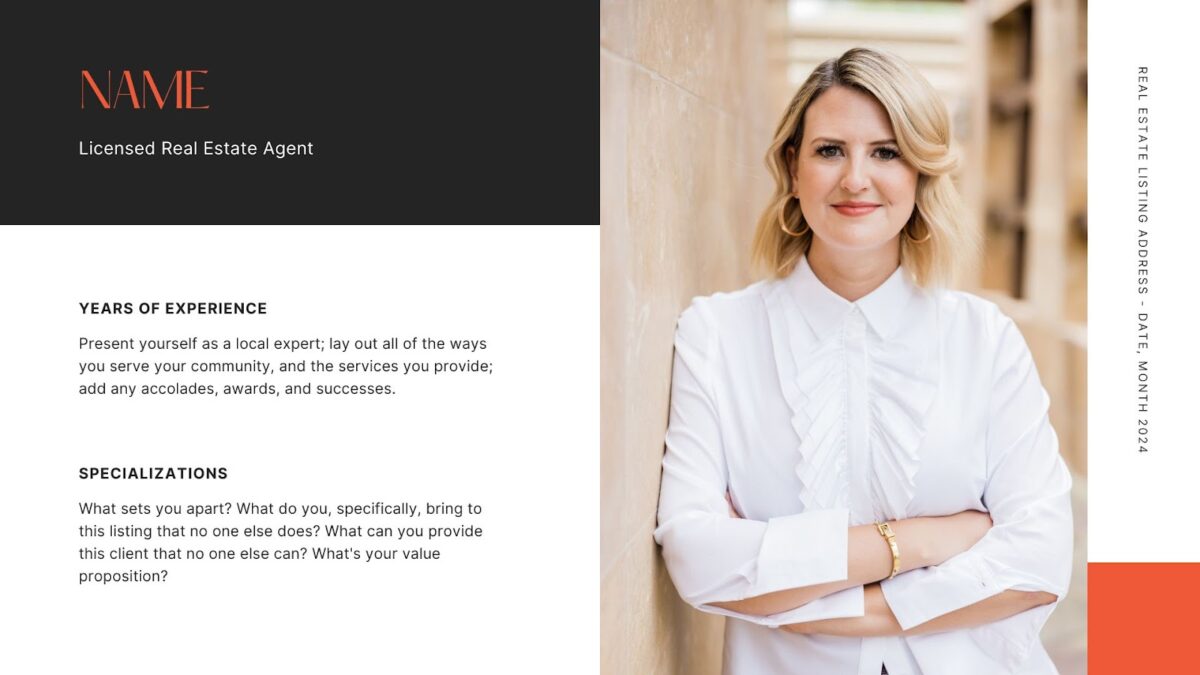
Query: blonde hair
{"type": "Point", "coordinates": [922, 128]}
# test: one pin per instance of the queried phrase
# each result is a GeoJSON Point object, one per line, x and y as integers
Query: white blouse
{"type": "Point", "coordinates": [817, 414]}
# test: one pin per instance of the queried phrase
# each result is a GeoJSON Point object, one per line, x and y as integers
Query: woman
{"type": "Point", "coordinates": [860, 469]}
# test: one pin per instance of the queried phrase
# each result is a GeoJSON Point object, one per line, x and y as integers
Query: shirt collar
{"type": "Point", "coordinates": [825, 310]}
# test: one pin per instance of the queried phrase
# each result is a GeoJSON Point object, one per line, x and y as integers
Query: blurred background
{"type": "Point", "coordinates": [690, 93]}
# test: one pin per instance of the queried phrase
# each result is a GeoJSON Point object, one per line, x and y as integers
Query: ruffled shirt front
{"type": "Point", "coordinates": [816, 414]}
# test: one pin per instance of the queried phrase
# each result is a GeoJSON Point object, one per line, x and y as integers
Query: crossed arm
{"type": "Point", "coordinates": [923, 542]}
{"type": "Point", "coordinates": [878, 619]}
{"type": "Point", "coordinates": [959, 571]}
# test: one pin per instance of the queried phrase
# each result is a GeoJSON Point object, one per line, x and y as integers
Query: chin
{"type": "Point", "coordinates": [856, 238]}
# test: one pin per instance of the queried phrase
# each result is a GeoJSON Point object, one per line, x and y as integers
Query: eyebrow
{"type": "Point", "coordinates": [837, 141]}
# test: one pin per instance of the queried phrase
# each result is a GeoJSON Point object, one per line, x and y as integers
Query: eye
{"type": "Point", "coordinates": [829, 150]}
{"type": "Point", "coordinates": [886, 153]}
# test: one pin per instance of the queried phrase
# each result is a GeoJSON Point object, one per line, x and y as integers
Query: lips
{"type": "Point", "coordinates": [854, 209]}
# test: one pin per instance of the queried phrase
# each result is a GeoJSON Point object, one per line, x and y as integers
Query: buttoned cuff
{"type": "Point", "coordinates": [927, 593]}
{"type": "Point", "coordinates": [923, 594]}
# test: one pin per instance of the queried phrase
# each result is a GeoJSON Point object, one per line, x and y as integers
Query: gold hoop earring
{"type": "Point", "coordinates": [801, 233]}
{"type": "Point", "coordinates": [922, 240]}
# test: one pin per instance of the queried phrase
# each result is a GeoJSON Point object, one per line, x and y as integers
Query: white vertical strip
{"type": "Point", "coordinates": [1141, 503]}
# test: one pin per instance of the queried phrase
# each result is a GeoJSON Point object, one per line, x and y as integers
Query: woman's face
{"type": "Point", "coordinates": [855, 190]}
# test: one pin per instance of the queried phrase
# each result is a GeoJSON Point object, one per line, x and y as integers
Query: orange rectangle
{"type": "Point", "coordinates": [1143, 618]}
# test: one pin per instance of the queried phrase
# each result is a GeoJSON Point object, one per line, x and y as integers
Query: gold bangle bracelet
{"type": "Point", "coordinates": [886, 532]}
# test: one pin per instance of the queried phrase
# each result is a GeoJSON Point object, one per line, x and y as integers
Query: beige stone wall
{"type": "Point", "coordinates": [683, 127]}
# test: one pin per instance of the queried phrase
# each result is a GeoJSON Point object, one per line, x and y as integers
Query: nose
{"type": "Point", "coordinates": [855, 178]}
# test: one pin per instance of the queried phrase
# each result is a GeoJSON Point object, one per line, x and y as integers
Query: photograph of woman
{"type": "Point", "coordinates": [860, 470]}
